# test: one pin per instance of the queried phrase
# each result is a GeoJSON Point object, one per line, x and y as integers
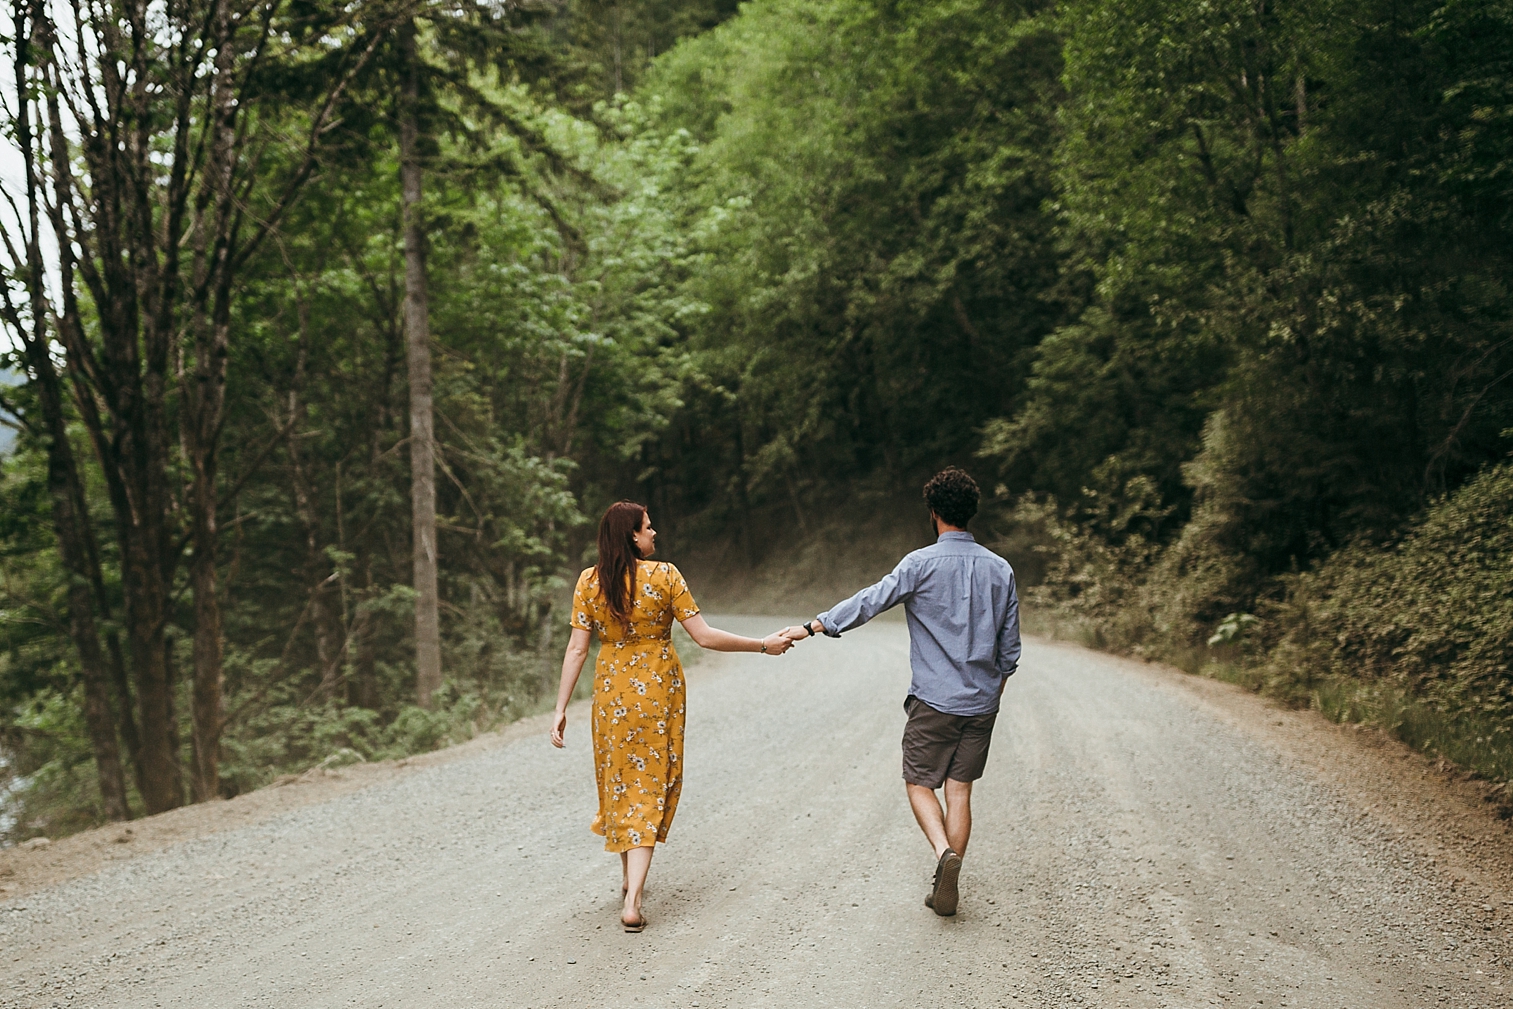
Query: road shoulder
{"type": "Point", "coordinates": [1453, 819]}
{"type": "Point", "coordinates": [25, 870]}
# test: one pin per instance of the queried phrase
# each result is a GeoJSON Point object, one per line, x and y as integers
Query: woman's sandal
{"type": "Point", "coordinates": [634, 927]}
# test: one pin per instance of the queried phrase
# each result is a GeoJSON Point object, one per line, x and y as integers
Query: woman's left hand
{"type": "Point", "coordinates": [559, 728]}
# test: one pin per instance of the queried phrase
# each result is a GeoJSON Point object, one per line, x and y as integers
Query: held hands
{"type": "Point", "coordinates": [777, 643]}
{"type": "Point", "coordinates": [780, 642]}
{"type": "Point", "coordinates": [795, 633]}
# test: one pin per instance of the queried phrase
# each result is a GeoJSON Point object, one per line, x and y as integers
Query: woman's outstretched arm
{"type": "Point", "coordinates": [717, 640]}
{"type": "Point", "coordinates": [572, 666]}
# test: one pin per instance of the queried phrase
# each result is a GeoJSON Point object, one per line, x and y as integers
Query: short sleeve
{"type": "Point", "coordinates": [583, 602]}
{"type": "Point", "coordinates": [683, 605]}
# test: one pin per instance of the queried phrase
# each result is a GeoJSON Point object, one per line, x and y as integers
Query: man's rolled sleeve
{"type": "Point", "coordinates": [1006, 658]}
{"type": "Point", "coordinates": [870, 601]}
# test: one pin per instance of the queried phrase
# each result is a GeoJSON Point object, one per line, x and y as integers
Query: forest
{"type": "Point", "coordinates": [331, 328]}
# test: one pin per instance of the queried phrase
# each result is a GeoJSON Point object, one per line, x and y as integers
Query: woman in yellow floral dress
{"type": "Point", "coordinates": [631, 601]}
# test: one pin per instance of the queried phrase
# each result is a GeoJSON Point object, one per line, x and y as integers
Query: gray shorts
{"type": "Point", "coordinates": [938, 746]}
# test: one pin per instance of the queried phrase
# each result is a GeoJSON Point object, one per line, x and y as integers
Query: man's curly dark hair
{"type": "Point", "coordinates": [953, 496]}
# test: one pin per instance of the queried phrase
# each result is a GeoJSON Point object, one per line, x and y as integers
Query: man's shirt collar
{"type": "Point", "coordinates": [957, 536]}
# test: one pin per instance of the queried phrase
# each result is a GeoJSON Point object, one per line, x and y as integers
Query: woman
{"type": "Point", "coordinates": [638, 695]}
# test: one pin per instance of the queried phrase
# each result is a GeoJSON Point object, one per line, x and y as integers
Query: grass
{"type": "Point", "coordinates": [1468, 741]}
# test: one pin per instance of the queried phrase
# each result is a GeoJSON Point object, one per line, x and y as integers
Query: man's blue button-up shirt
{"type": "Point", "coordinates": [963, 614]}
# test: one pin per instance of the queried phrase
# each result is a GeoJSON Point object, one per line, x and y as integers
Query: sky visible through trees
{"type": "Point", "coordinates": [1212, 297]}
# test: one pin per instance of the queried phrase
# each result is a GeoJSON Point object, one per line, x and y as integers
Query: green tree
{"type": "Point", "coordinates": [869, 202]}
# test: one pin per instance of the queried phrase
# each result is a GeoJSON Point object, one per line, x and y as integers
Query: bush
{"type": "Point", "coordinates": [1427, 620]}
{"type": "Point", "coordinates": [1414, 636]}
{"type": "Point", "coordinates": [1094, 562]}
{"type": "Point", "coordinates": [48, 784]}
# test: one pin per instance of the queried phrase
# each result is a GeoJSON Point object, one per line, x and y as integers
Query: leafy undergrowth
{"type": "Point", "coordinates": [59, 794]}
{"type": "Point", "coordinates": [1413, 636]}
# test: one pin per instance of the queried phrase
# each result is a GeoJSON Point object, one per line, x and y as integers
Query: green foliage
{"type": "Point", "coordinates": [47, 778]}
{"type": "Point", "coordinates": [1218, 291]}
{"type": "Point", "coordinates": [53, 786]}
{"type": "Point", "coordinates": [613, 43]}
{"type": "Point", "coordinates": [1299, 324]}
{"type": "Point", "coordinates": [291, 738]}
{"type": "Point", "coordinates": [554, 305]}
{"type": "Point", "coordinates": [874, 248]}
{"type": "Point", "coordinates": [1294, 224]}
{"type": "Point", "coordinates": [1431, 614]}
{"type": "Point", "coordinates": [1091, 583]}
{"type": "Point", "coordinates": [1234, 629]}
{"type": "Point", "coordinates": [1414, 636]}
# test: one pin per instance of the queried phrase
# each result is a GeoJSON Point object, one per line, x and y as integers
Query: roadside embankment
{"type": "Point", "coordinates": [1412, 635]}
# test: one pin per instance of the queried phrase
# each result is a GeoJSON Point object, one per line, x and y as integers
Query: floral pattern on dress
{"type": "Point", "coordinates": [638, 704]}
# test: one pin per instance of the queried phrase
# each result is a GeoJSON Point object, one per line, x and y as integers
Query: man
{"type": "Point", "coordinates": [963, 615]}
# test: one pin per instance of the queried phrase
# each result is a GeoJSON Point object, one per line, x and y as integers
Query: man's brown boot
{"type": "Point", "coordinates": [944, 896]}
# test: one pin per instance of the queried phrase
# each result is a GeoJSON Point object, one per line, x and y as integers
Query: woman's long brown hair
{"type": "Point", "coordinates": [618, 555]}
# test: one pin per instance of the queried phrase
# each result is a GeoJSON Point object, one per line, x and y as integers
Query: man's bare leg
{"type": "Point", "coordinates": [948, 828]}
{"type": "Point", "coordinates": [931, 819]}
{"type": "Point", "coordinates": [947, 831]}
{"type": "Point", "coordinates": [958, 814]}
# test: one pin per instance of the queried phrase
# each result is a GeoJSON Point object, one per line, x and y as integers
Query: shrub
{"type": "Point", "coordinates": [1414, 635]}
{"type": "Point", "coordinates": [1429, 617]}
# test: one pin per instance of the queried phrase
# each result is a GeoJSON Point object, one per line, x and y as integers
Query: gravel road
{"type": "Point", "coordinates": [1132, 847]}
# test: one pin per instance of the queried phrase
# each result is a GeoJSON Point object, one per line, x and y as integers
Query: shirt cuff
{"type": "Point", "coordinates": [829, 626]}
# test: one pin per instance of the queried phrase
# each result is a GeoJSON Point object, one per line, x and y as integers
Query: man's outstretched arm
{"type": "Point", "coordinates": [896, 587]}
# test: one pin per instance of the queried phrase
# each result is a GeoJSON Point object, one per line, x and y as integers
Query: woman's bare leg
{"type": "Point", "coordinates": [624, 876]}
{"type": "Point", "coordinates": [637, 862]}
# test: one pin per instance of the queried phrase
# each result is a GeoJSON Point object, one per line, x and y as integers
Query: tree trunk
{"type": "Point", "coordinates": [121, 392]}
{"type": "Point", "coordinates": [125, 703]}
{"type": "Point", "coordinates": [65, 489]}
{"type": "Point", "coordinates": [205, 398]}
{"type": "Point", "coordinates": [68, 521]}
{"type": "Point", "coordinates": [362, 687]}
{"type": "Point", "coordinates": [160, 779]}
{"type": "Point", "coordinates": [422, 433]}
{"type": "Point", "coordinates": [69, 524]}
{"type": "Point", "coordinates": [207, 714]}
{"type": "Point", "coordinates": [330, 638]}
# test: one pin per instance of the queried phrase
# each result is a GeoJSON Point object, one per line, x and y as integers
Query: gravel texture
{"type": "Point", "coordinates": [1141, 839]}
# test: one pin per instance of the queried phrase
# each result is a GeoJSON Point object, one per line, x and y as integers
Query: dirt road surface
{"type": "Point", "coordinates": [1142, 838]}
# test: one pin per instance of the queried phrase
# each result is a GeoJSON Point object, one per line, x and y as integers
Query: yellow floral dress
{"type": "Point", "coordinates": [637, 704]}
